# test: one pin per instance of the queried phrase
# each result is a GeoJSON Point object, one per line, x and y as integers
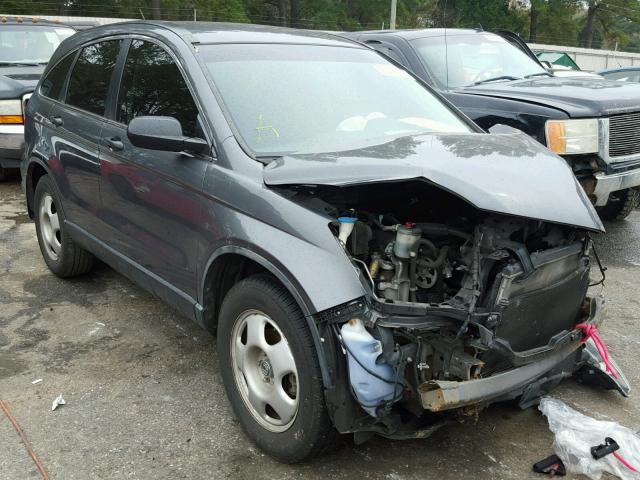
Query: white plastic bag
{"type": "Point", "coordinates": [576, 433]}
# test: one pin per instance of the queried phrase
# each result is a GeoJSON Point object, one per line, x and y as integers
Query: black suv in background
{"type": "Point", "coordinates": [371, 260]}
{"type": "Point", "coordinates": [26, 44]}
{"type": "Point", "coordinates": [496, 79]}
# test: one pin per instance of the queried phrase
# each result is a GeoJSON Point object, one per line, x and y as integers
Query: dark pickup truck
{"type": "Point", "coordinates": [26, 44]}
{"type": "Point", "coordinates": [495, 79]}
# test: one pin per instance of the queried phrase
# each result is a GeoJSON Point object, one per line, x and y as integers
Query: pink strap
{"type": "Point", "coordinates": [591, 331]}
{"type": "Point", "coordinates": [624, 462]}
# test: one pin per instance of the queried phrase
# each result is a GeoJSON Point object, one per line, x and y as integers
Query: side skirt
{"type": "Point", "coordinates": [176, 298]}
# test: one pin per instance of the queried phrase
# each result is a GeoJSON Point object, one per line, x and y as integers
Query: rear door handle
{"type": "Point", "coordinates": [114, 143]}
{"type": "Point", "coordinates": [57, 121]}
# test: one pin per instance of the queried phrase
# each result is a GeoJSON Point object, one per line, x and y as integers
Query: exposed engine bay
{"type": "Point", "coordinates": [460, 300]}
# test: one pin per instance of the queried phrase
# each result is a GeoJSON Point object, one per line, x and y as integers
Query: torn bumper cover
{"type": "Point", "coordinates": [539, 367]}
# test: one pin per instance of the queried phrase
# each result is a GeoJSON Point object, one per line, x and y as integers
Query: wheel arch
{"type": "Point", "coordinates": [36, 169]}
{"type": "Point", "coordinates": [231, 263]}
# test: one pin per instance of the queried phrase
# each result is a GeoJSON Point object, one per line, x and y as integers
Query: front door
{"type": "Point", "coordinates": [151, 199]}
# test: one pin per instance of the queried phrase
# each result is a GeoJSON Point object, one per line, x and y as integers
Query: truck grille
{"type": "Point", "coordinates": [624, 135]}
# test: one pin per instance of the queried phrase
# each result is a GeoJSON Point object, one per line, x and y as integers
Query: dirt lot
{"type": "Point", "coordinates": [145, 398]}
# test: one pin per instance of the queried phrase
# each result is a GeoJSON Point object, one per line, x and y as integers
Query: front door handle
{"type": "Point", "coordinates": [114, 143]}
{"type": "Point", "coordinates": [57, 121]}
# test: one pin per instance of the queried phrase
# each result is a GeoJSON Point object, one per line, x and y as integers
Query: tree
{"type": "Point", "coordinates": [604, 19]}
{"type": "Point", "coordinates": [554, 21]}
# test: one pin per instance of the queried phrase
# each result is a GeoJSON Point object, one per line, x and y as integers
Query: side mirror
{"type": "Point", "coordinates": [163, 133]}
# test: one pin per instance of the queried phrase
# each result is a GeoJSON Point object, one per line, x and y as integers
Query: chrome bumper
{"type": "Point", "coordinates": [11, 145]}
{"type": "Point", "coordinates": [606, 184]}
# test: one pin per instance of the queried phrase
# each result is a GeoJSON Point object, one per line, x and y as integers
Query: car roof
{"type": "Point", "coordinates": [413, 34]}
{"type": "Point", "coordinates": [216, 32]}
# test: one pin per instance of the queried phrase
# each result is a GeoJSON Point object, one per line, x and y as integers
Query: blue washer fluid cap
{"type": "Point", "coordinates": [347, 219]}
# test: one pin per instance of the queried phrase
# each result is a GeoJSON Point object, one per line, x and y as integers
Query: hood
{"type": "Point", "coordinates": [576, 96]}
{"type": "Point", "coordinates": [504, 173]}
{"type": "Point", "coordinates": [16, 81]}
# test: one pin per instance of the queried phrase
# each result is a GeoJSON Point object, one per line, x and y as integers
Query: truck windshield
{"type": "Point", "coordinates": [474, 58]}
{"type": "Point", "coordinates": [30, 44]}
{"type": "Point", "coordinates": [314, 99]}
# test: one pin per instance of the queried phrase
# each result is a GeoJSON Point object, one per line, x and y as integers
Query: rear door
{"type": "Point", "coordinates": [152, 199]}
{"type": "Point", "coordinates": [77, 123]}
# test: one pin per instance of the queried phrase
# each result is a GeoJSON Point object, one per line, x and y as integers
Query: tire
{"type": "Point", "coordinates": [620, 204]}
{"type": "Point", "coordinates": [62, 255]}
{"type": "Point", "coordinates": [260, 300]}
{"type": "Point", "coordinates": [3, 174]}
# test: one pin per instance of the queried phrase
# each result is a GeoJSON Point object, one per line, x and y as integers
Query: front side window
{"type": "Point", "coordinates": [30, 44]}
{"type": "Point", "coordinates": [91, 75]}
{"type": "Point", "coordinates": [52, 85]}
{"type": "Point", "coordinates": [313, 99]}
{"type": "Point", "coordinates": [461, 60]}
{"type": "Point", "coordinates": [153, 85]}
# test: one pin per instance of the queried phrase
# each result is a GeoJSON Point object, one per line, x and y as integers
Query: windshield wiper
{"type": "Point", "coordinates": [494, 79]}
{"type": "Point", "coordinates": [538, 75]}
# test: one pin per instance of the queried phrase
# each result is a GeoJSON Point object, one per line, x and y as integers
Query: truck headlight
{"type": "Point", "coordinates": [11, 112]}
{"type": "Point", "coordinates": [571, 137]}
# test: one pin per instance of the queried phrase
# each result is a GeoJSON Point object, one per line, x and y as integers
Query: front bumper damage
{"type": "Point", "coordinates": [530, 375]}
{"type": "Point", "coordinates": [542, 367]}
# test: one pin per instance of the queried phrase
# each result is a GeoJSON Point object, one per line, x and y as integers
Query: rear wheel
{"type": "Point", "coordinates": [62, 255]}
{"type": "Point", "coordinates": [271, 372]}
{"type": "Point", "coordinates": [620, 204]}
{"type": "Point", "coordinates": [3, 174]}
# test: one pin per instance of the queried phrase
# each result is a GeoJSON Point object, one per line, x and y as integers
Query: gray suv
{"type": "Point", "coordinates": [371, 261]}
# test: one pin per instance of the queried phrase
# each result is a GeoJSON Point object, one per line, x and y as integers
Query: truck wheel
{"type": "Point", "coordinates": [270, 370]}
{"type": "Point", "coordinates": [62, 255]}
{"type": "Point", "coordinates": [620, 204]}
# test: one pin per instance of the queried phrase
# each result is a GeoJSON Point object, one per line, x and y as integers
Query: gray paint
{"type": "Point", "coordinates": [505, 173]}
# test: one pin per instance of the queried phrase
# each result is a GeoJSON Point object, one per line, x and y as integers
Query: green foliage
{"type": "Point", "coordinates": [595, 23]}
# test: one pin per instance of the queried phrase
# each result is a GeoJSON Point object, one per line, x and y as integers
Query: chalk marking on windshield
{"type": "Point", "coordinates": [262, 128]}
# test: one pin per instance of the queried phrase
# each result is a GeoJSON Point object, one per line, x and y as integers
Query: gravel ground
{"type": "Point", "coordinates": [145, 399]}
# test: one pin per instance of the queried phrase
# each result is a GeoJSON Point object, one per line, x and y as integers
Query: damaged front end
{"type": "Point", "coordinates": [464, 308]}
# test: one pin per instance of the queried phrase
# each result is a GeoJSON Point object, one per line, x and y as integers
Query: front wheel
{"type": "Point", "coordinates": [620, 204]}
{"type": "Point", "coordinates": [270, 370]}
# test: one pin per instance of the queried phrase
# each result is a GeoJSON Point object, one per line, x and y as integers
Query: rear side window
{"type": "Point", "coordinates": [53, 83]}
{"type": "Point", "coordinates": [89, 81]}
{"type": "Point", "coordinates": [152, 84]}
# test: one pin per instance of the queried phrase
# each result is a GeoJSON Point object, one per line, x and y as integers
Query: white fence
{"type": "Point", "coordinates": [591, 59]}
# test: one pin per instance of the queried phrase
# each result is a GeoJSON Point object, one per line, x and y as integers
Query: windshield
{"type": "Point", "coordinates": [477, 57]}
{"type": "Point", "coordinates": [30, 44]}
{"type": "Point", "coordinates": [312, 99]}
